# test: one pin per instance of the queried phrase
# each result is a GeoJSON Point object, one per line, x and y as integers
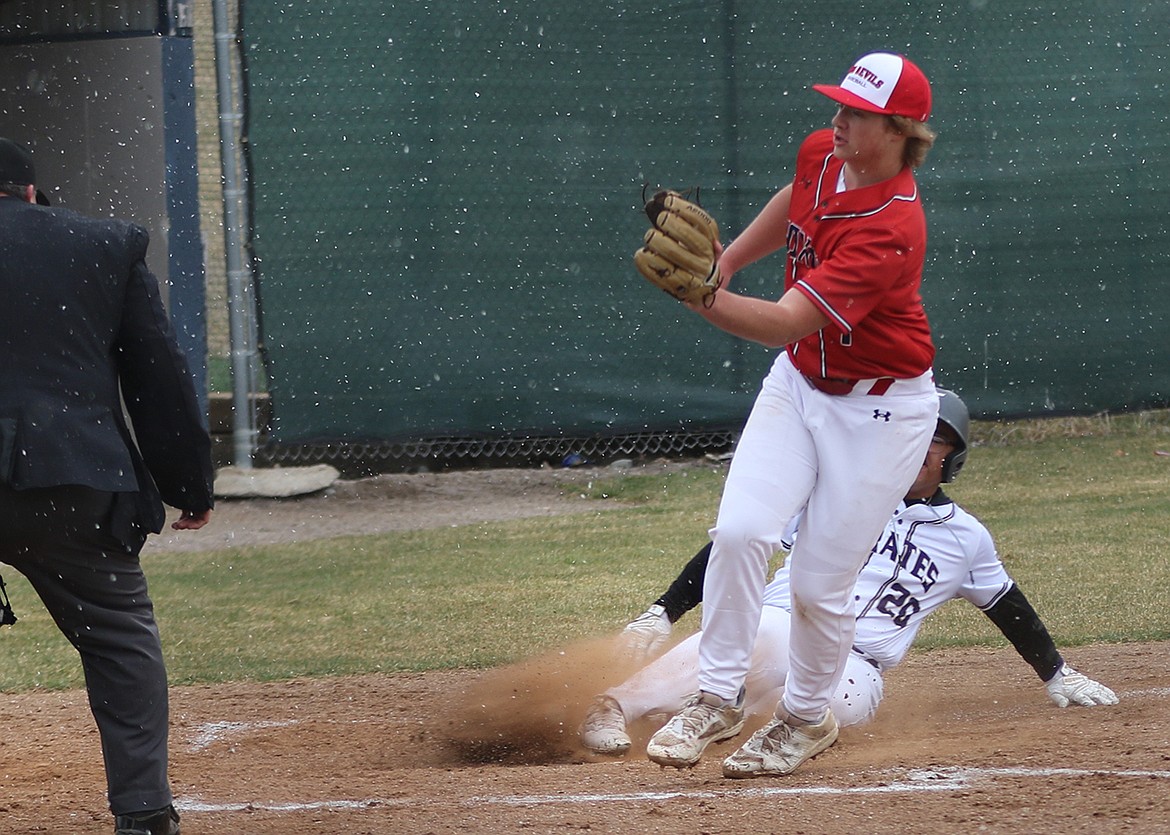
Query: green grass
{"type": "Point", "coordinates": [1079, 513]}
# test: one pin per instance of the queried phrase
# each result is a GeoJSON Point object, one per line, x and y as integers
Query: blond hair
{"type": "Point", "coordinates": [919, 139]}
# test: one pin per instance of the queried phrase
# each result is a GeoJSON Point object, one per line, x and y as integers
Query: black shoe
{"type": "Point", "coordinates": [163, 822]}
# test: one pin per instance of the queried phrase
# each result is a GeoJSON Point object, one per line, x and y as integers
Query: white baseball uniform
{"type": "Point", "coordinates": [927, 554]}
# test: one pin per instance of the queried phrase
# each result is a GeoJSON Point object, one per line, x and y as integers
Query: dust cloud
{"type": "Point", "coordinates": [528, 713]}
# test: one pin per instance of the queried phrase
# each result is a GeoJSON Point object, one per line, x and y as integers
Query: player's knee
{"type": "Point", "coordinates": [854, 702]}
{"type": "Point", "coordinates": [744, 539]}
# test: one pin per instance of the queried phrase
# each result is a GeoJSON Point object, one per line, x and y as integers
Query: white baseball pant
{"type": "Point", "coordinates": [662, 686]}
{"type": "Point", "coordinates": [845, 461]}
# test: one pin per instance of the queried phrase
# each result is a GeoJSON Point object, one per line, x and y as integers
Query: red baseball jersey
{"type": "Point", "coordinates": [858, 256]}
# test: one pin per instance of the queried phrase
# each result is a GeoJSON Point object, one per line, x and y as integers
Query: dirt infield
{"type": "Point", "coordinates": [965, 741]}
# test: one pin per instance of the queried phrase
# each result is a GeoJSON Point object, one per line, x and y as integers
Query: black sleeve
{"type": "Point", "coordinates": [159, 391]}
{"type": "Point", "coordinates": [1020, 624]}
{"type": "Point", "coordinates": [686, 592]}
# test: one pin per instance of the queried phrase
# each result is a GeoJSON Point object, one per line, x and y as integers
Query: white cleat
{"type": "Point", "coordinates": [781, 746]}
{"type": "Point", "coordinates": [604, 728]}
{"type": "Point", "coordinates": [704, 719]}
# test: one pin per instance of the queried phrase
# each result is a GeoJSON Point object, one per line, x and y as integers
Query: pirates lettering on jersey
{"type": "Point", "coordinates": [909, 556]}
{"type": "Point", "coordinates": [800, 247]}
{"type": "Point", "coordinates": [920, 565]}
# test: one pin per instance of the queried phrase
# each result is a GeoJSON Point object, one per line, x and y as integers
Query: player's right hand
{"type": "Point", "coordinates": [1070, 687]}
{"type": "Point", "coordinates": [645, 636]}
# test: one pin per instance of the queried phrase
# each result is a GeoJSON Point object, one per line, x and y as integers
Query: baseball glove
{"type": "Point", "coordinates": [678, 252]}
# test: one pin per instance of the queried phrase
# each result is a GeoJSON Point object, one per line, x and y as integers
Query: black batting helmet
{"type": "Point", "coordinates": [953, 412]}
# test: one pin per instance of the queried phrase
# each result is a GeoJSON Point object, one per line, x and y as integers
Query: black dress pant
{"type": "Point", "coordinates": [94, 588]}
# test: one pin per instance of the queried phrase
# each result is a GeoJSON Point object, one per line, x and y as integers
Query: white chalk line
{"type": "Point", "coordinates": [210, 733]}
{"type": "Point", "coordinates": [1155, 691]}
{"type": "Point", "coordinates": [196, 805]}
{"type": "Point", "coordinates": [918, 780]}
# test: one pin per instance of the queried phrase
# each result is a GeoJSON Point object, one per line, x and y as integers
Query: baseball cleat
{"type": "Point", "coordinates": [704, 719]}
{"type": "Point", "coordinates": [781, 746]}
{"type": "Point", "coordinates": [604, 728]}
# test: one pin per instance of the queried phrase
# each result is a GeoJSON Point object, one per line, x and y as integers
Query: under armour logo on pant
{"type": "Point", "coordinates": [880, 415]}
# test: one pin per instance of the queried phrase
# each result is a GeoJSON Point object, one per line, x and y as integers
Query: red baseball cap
{"type": "Point", "coordinates": [882, 82]}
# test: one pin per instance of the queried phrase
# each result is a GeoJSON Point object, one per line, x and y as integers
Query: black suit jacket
{"type": "Point", "coordinates": [82, 319]}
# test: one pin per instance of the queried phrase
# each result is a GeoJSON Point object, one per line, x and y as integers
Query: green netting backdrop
{"type": "Point", "coordinates": [446, 198]}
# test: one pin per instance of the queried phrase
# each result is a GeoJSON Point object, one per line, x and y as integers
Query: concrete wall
{"type": "Point", "coordinates": [110, 123]}
{"type": "Point", "coordinates": [92, 113]}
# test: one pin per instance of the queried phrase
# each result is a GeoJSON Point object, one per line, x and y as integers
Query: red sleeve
{"type": "Point", "coordinates": [869, 263]}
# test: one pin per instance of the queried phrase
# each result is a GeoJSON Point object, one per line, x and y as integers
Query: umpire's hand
{"type": "Point", "coordinates": [192, 520]}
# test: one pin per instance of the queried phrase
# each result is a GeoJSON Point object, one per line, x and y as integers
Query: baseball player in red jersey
{"type": "Point", "coordinates": [842, 422]}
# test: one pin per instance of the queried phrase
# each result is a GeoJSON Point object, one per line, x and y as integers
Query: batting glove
{"type": "Point", "coordinates": [645, 635]}
{"type": "Point", "coordinates": [1070, 687]}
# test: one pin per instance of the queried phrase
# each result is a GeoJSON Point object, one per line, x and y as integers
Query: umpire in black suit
{"type": "Point", "coordinates": [82, 331]}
